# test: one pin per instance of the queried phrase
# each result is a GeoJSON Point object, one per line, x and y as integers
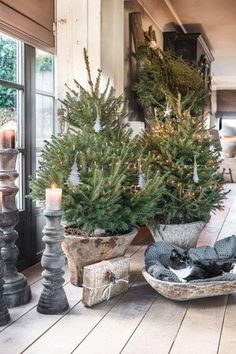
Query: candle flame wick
{"type": "Point", "coordinates": [53, 185]}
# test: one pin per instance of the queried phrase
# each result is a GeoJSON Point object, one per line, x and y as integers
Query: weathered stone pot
{"type": "Point", "coordinates": [81, 251]}
{"type": "Point", "coordinates": [181, 235]}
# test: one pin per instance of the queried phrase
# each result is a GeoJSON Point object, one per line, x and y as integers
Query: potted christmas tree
{"type": "Point", "coordinates": [186, 152]}
{"type": "Point", "coordinates": [108, 187]}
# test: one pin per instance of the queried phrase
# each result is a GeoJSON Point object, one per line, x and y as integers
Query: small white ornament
{"type": "Point", "coordinates": [167, 112]}
{"type": "Point", "coordinates": [212, 148]}
{"type": "Point", "coordinates": [97, 126]}
{"type": "Point", "coordinates": [153, 44]}
{"type": "Point", "coordinates": [99, 231]}
{"type": "Point", "coordinates": [141, 65]}
{"type": "Point", "coordinates": [195, 174]}
{"type": "Point", "coordinates": [74, 177]}
{"type": "Point", "coordinates": [141, 179]}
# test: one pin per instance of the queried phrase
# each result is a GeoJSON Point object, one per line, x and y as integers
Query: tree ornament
{"type": "Point", "coordinates": [97, 126]}
{"type": "Point", "coordinates": [141, 65]}
{"type": "Point", "coordinates": [153, 44]}
{"type": "Point", "coordinates": [74, 177]}
{"type": "Point", "coordinates": [98, 231]}
{"type": "Point", "coordinates": [141, 179]}
{"type": "Point", "coordinates": [195, 174]}
{"type": "Point", "coordinates": [167, 111]}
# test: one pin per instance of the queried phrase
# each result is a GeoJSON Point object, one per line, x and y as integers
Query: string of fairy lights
{"type": "Point", "coordinates": [178, 167]}
{"type": "Point", "coordinates": [178, 185]}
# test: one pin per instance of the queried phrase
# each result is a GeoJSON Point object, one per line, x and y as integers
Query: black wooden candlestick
{"type": "Point", "coordinates": [16, 289]}
{"type": "Point", "coordinates": [53, 298]}
{"type": "Point", "coordinates": [4, 314]}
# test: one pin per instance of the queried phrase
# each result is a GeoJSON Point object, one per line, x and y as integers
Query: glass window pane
{"type": "Point", "coordinates": [10, 59]}
{"type": "Point", "coordinates": [11, 109]}
{"type": "Point", "coordinates": [11, 117]}
{"type": "Point", "coordinates": [44, 71]}
{"type": "Point", "coordinates": [44, 119]}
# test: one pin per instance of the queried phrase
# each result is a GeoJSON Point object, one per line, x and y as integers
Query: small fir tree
{"type": "Point", "coordinates": [189, 157]}
{"type": "Point", "coordinates": [98, 147]}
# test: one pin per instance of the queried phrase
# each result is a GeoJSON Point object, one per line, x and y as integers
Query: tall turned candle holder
{"type": "Point", "coordinates": [53, 298]}
{"type": "Point", "coordinates": [4, 314]}
{"type": "Point", "coordinates": [16, 289]}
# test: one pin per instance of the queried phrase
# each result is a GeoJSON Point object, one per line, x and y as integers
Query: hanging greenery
{"type": "Point", "coordinates": [161, 74]}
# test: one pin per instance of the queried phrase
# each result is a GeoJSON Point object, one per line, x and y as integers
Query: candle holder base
{"type": "Point", "coordinates": [4, 314]}
{"type": "Point", "coordinates": [16, 290]}
{"type": "Point", "coordinates": [53, 302]}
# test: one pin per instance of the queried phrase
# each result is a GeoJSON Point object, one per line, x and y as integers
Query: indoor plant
{"type": "Point", "coordinates": [186, 152]}
{"type": "Point", "coordinates": [108, 188]}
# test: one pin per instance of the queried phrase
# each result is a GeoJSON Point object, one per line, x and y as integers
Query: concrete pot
{"type": "Point", "coordinates": [81, 251]}
{"type": "Point", "coordinates": [181, 235]}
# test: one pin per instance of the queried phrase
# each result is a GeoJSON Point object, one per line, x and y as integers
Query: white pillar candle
{"type": "Point", "coordinates": [53, 198]}
{"type": "Point", "coordinates": [0, 202]}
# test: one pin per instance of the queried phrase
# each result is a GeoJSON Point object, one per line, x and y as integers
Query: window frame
{"type": "Point", "coordinates": [19, 86]}
{"type": "Point", "coordinates": [45, 93]}
{"type": "Point", "coordinates": [27, 147]}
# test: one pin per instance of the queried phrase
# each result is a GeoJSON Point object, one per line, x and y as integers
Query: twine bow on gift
{"type": "Point", "coordinates": [107, 291]}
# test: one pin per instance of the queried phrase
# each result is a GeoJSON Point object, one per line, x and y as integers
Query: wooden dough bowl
{"type": "Point", "coordinates": [188, 291]}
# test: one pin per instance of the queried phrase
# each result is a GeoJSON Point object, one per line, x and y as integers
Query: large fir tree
{"type": "Point", "coordinates": [189, 157]}
{"type": "Point", "coordinates": [107, 184]}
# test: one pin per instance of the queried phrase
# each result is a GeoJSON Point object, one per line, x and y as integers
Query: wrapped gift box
{"type": "Point", "coordinates": [105, 279]}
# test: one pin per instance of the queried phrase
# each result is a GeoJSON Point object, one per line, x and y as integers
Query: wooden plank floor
{"type": "Point", "coordinates": [140, 321]}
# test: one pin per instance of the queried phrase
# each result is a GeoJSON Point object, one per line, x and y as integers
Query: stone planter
{"type": "Point", "coordinates": [81, 251]}
{"type": "Point", "coordinates": [181, 235]}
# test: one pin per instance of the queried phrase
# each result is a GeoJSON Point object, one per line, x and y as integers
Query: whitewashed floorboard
{"type": "Point", "coordinates": [158, 329]}
{"type": "Point", "coordinates": [111, 334]}
{"type": "Point", "coordinates": [36, 289]}
{"type": "Point", "coordinates": [201, 328]}
{"type": "Point", "coordinates": [139, 322]}
{"type": "Point", "coordinates": [73, 328]}
{"type": "Point", "coordinates": [28, 328]}
{"type": "Point", "coordinates": [228, 338]}
{"type": "Point", "coordinates": [204, 319]}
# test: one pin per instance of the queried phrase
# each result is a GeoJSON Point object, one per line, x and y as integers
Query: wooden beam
{"type": "Point", "coordinates": [137, 29]}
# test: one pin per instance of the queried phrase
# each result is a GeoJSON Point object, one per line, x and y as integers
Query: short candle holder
{"type": "Point", "coordinates": [53, 298]}
{"type": "Point", "coordinates": [4, 314]}
{"type": "Point", "coordinates": [16, 289]}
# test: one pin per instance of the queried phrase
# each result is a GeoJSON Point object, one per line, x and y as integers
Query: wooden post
{"type": "Point", "coordinates": [137, 32]}
{"type": "Point", "coordinates": [137, 29]}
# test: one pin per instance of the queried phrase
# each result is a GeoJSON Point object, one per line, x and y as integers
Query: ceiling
{"type": "Point", "coordinates": [217, 21]}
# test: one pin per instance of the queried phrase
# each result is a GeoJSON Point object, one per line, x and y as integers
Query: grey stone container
{"type": "Point", "coordinates": [83, 251]}
{"type": "Point", "coordinates": [181, 235]}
